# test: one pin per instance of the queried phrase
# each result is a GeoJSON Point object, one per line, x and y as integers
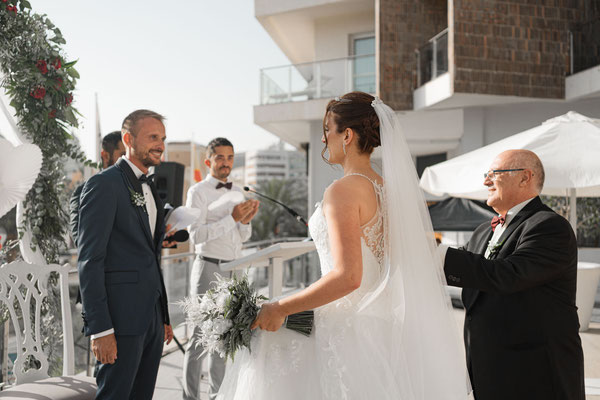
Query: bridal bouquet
{"type": "Point", "coordinates": [224, 315]}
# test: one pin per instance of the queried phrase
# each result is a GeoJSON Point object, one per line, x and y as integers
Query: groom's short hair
{"type": "Point", "coordinates": [130, 121]}
{"type": "Point", "coordinates": [216, 142]}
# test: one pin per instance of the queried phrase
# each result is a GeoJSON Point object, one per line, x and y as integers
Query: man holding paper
{"type": "Point", "coordinates": [217, 235]}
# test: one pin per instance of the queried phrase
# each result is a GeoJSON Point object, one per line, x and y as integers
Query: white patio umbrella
{"type": "Point", "coordinates": [568, 146]}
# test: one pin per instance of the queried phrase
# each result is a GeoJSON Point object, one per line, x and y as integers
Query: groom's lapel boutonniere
{"type": "Point", "coordinates": [137, 199]}
{"type": "Point", "coordinates": [494, 248]}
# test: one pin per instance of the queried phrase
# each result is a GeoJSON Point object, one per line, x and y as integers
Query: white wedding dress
{"type": "Point", "coordinates": [392, 338]}
{"type": "Point", "coordinates": [336, 361]}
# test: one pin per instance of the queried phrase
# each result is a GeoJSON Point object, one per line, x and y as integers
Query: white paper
{"type": "Point", "coordinates": [182, 217]}
{"type": "Point", "coordinates": [228, 200]}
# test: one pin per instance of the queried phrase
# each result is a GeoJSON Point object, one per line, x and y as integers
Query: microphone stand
{"type": "Point", "coordinates": [289, 210]}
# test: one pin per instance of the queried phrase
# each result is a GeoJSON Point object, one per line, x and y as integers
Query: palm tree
{"type": "Point", "coordinates": [272, 220]}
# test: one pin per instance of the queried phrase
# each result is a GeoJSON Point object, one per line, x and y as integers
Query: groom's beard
{"type": "Point", "coordinates": [145, 158]}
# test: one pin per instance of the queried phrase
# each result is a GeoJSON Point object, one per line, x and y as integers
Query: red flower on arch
{"type": "Point", "coordinates": [57, 64]}
{"type": "Point", "coordinates": [42, 66]}
{"type": "Point", "coordinates": [38, 93]}
{"type": "Point", "coordinates": [69, 99]}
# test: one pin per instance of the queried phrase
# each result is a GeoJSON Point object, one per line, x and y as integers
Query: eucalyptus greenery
{"type": "Point", "coordinates": [40, 83]}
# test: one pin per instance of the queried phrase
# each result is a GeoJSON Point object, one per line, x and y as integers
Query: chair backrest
{"type": "Point", "coordinates": [23, 287]}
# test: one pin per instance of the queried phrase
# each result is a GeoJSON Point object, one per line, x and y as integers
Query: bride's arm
{"type": "Point", "coordinates": [342, 213]}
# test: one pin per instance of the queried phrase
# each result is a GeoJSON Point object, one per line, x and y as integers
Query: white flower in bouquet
{"type": "Point", "coordinates": [224, 315]}
{"type": "Point", "coordinates": [222, 300]}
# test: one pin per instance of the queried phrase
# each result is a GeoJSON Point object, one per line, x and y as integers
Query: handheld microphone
{"type": "Point", "coordinates": [292, 212]}
{"type": "Point", "coordinates": [180, 236]}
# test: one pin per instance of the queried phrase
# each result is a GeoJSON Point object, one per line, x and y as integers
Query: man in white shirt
{"type": "Point", "coordinates": [217, 236]}
{"type": "Point", "coordinates": [519, 278]}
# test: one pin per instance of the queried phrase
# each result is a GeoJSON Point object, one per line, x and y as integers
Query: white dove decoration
{"type": "Point", "coordinates": [19, 167]}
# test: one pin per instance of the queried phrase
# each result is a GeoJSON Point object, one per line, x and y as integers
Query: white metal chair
{"type": "Point", "coordinates": [23, 287]}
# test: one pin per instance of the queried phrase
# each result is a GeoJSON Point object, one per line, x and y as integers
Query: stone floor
{"type": "Point", "coordinates": [168, 386]}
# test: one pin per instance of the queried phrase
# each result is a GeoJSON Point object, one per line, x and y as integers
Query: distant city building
{"type": "Point", "coordinates": [274, 163]}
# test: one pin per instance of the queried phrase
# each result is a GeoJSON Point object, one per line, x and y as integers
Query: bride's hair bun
{"type": "Point", "coordinates": [354, 110]}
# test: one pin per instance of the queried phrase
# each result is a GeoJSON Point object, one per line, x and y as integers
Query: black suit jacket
{"type": "Point", "coordinates": [74, 212]}
{"type": "Point", "coordinates": [119, 260]}
{"type": "Point", "coordinates": [521, 325]}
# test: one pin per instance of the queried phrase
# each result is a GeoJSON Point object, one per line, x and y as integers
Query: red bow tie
{"type": "Point", "coordinates": [498, 221]}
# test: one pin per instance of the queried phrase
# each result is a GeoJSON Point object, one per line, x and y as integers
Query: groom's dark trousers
{"type": "Point", "coordinates": [521, 325]}
{"type": "Point", "coordinates": [121, 283]}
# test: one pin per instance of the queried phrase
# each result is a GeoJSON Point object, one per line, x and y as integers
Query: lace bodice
{"type": "Point", "coordinates": [372, 241]}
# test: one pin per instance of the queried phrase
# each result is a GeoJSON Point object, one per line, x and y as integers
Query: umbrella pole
{"type": "Point", "coordinates": [573, 209]}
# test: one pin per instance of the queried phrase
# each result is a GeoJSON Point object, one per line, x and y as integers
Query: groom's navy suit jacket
{"type": "Point", "coordinates": [119, 260]}
{"type": "Point", "coordinates": [521, 325]}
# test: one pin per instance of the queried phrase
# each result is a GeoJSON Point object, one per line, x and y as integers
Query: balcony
{"type": "Point", "coordinates": [432, 58]}
{"type": "Point", "coordinates": [317, 80]}
{"type": "Point", "coordinates": [583, 80]}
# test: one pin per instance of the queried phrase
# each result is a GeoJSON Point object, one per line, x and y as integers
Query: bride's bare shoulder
{"type": "Point", "coordinates": [348, 190]}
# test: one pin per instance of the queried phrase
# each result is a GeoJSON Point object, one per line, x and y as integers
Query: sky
{"type": "Point", "coordinates": [195, 61]}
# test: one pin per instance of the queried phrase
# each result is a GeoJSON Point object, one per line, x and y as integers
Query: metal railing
{"type": "Point", "coordinates": [316, 80]}
{"type": "Point", "coordinates": [432, 58]}
{"type": "Point", "coordinates": [297, 273]}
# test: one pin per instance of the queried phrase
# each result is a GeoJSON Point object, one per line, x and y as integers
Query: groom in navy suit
{"type": "Point", "coordinates": [121, 232]}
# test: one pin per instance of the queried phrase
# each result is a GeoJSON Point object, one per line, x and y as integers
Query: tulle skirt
{"type": "Point", "coordinates": [348, 356]}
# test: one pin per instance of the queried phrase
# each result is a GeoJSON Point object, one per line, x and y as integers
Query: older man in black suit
{"type": "Point", "coordinates": [519, 277]}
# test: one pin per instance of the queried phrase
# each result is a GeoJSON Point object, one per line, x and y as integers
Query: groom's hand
{"type": "Point", "coordinates": [105, 349]}
{"type": "Point", "coordinates": [166, 242]}
{"type": "Point", "coordinates": [168, 333]}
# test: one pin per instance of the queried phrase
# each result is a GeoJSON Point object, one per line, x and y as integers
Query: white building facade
{"type": "Point", "coordinates": [460, 76]}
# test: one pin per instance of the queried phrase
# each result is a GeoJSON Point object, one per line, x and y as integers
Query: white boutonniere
{"type": "Point", "coordinates": [137, 199]}
{"type": "Point", "coordinates": [494, 248]}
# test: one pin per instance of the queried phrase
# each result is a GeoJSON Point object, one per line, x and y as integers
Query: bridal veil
{"type": "Point", "coordinates": [425, 350]}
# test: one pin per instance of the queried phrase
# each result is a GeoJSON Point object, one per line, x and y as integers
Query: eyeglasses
{"type": "Point", "coordinates": [492, 175]}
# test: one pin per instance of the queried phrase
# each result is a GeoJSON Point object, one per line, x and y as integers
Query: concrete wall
{"type": "Point", "coordinates": [485, 125]}
{"type": "Point", "coordinates": [332, 35]}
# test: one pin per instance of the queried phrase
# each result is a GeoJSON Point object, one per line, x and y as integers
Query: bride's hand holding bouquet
{"type": "Point", "coordinates": [270, 318]}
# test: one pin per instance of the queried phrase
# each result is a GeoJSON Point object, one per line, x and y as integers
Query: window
{"type": "Point", "coordinates": [363, 68]}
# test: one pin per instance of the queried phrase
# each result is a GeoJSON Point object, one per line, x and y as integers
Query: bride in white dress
{"type": "Point", "coordinates": [383, 327]}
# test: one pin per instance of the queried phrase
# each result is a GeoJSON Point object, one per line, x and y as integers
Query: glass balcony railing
{"type": "Point", "coordinates": [316, 80]}
{"type": "Point", "coordinates": [432, 58]}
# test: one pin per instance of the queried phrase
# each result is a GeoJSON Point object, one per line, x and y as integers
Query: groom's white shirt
{"type": "Point", "coordinates": [151, 207]}
{"type": "Point", "coordinates": [443, 248]}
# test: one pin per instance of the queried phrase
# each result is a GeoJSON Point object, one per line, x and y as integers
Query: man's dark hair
{"type": "Point", "coordinates": [130, 121]}
{"type": "Point", "coordinates": [111, 141]}
{"type": "Point", "coordinates": [216, 142]}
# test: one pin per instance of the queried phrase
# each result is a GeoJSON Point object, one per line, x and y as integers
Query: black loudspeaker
{"type": "Point", "coordinates": [168, 179]}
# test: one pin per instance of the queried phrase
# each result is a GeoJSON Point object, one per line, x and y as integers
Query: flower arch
{"type": "Point", "coordinates": [39, 83]}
